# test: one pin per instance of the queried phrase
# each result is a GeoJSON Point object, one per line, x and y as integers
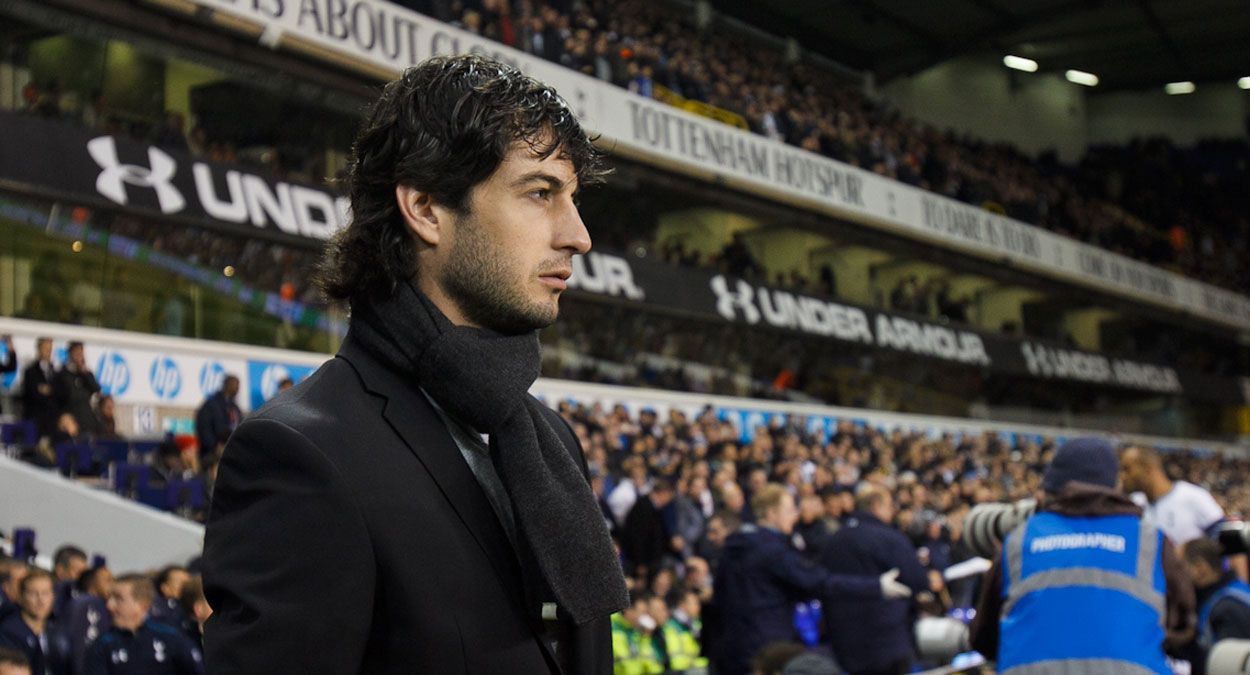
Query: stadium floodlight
{"type": "Point", "coordinates": [1179, 87]}
{"type": "Point", "coordinates": [1020, 63]}
{"type": "Point", "coordinates": [1244, 83]}
{"type": "Point", "coordinates": [1081, 77]}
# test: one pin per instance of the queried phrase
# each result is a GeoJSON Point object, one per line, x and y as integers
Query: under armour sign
{"type": "Point", "coordinates": [114, 175]}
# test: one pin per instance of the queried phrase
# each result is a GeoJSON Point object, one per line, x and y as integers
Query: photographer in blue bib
{"type": "Point", "coordinates": [1085, 585]}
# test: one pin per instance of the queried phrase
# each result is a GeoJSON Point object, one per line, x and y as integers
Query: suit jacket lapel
{"type": "Point", "coordinates": [416, 422]}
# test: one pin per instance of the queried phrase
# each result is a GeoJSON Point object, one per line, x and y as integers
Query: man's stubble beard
{"type": "Point", "coordinates": [478, 280]}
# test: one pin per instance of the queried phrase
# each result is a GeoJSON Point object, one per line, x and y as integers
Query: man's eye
{"type": "Point", "coordinates": [543, 194]}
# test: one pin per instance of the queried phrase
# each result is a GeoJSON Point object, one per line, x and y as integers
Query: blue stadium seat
{"type": "Point", "coordinates": [113, 451]}
{"type": "Point", "coordinates": [25, 430]}
{"type": "Point", "coordinates": [75, 460]}
{"type": "Point", "coordinates": [186, 494]}
{"type": "Point", "coordinates": [131, 480]}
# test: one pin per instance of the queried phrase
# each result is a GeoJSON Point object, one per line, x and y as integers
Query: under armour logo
{"type": "Point", "coordinates": [158, 648]}
{"type": "Point", "coordinates": [112, 180]}
{"type": "Point", "coordinates": [740, 297]}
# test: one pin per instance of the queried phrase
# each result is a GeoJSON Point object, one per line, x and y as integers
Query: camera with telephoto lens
{"type": "Point", "coordinates": [1233, 537]}
{"type": "Point", "coordinates": [987, 525]}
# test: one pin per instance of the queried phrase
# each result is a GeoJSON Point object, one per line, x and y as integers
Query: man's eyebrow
{"type": "Point", "coordinates": [554, 182]}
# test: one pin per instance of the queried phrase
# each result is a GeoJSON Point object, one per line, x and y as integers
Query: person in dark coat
{"type": "Point", "coordinates": [74, 388]}
{"type": "Point", "coordinates": [136, 645]}
{"type": "Point", "coordinates": [812, 527]}
{"type": "Point", "coordinates": [30, 630]}
{"type": "Point", "coordinates": [415, 464]}
{"type": "Point", "coordinates": [1223, 600]}
{"type": "Point", "coordinates": [217, 417]}
{"type": "Point", "coordinates": [8, 360]}
{"type": "Point", "coordinates": [68, 563]}
{"type": "Point", "coordinates": [761, 577]}
{"type": "Point", "coordinates": [872, 635]}
{"type": "Point", "coordinates": [644, 538]}
{"type": "Point", "coordinates": [38, 398]}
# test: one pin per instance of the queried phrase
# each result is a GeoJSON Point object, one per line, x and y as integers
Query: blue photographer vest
{"type": "Point", "coordinates": [1237, 591]}
{"type": "Point", "coordinates": [1083, 595]}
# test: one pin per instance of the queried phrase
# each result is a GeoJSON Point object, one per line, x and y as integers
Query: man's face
{"type": "Point", "coordinates": [785, 514]}
{"type": "Point", "coordinates": [12, 587]}
{"type": "Point", "coordinates": [72, 568]}
{"type": "Point", "coordinates": [127, 611]}
{"type": "Point", "coordinates": [230, 388]}
{"type": "Point", "coordinates": [508, 259]}
{"type": "Point", "coordinates": [36, 600]}
{"type": "Point", "coordinates": [77, 357]}
{"type": "Point", "coordinates": [174, 583]}
{"type": "Point", "coordinates": [716, 531]}
{"type": "Point", "coordinates": [102, 584]}
{"type": "Point", "coordinates": [45, 350]}
{"type": "Point", "coordinates": [1132, 471]}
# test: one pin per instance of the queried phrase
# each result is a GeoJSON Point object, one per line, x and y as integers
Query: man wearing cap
{"type": "Point", "coordinates": [1085, 585]}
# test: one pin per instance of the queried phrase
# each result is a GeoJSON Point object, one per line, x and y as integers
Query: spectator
{"type": "Point", "coordinates": [30, 631]}
{"type": "Point", "coordinates": [11, 574]}
{"type": "Point", "coordinates": [1027, 613]}
{"type": "Point", "coordinates": [68, 563]}
{"type": "Point", "coordinates": [74, 388]}
{"type": "Point", "coordinates": [681, 634]}
{"type": "Point", "coordinates": [38, 399]}
{"type": "Point", "coordinates": [106, 419]}
{"type": "Point", "coordinates": [217, 418]}
{"type": "Point", "coordinates": [148, 646]}
{"type": "Point", "coordinates": [761, 577]}
{"type": "Point", "coordinates": [9, 362]}
{"type": "Point", "coordinates": [633, 650]}
{"type": "Point", "coordinates": [644, 538]}
{"type": "Point", "coordinates": [872, 635]}
{"type": "Point", "coordinates": [195, 607]}
{"type": "Point", "coordinates": [1181, 509]}
{"type": "Point", "coordinates": [738, 259]}
{"type": "Point", "coordinates": [812, 527]}
{"type": "Point", "coordinates": [719, 527]}
{"type": "Point", "coordinates": [86, 616]}
{"type": "Point", "coordinates": [623, 497]}
{"type": "Point", "coordinates": [13, 662]}
{"type": "Point", "coordinates": [167, 606]}
{"type": "Point", "coordinates": [1223, 599]}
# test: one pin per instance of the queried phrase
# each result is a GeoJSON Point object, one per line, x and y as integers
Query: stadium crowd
{"type": "Point", "coordinates": [676, 490]}
{"type": "Point", "coordinates": [81, 618]}
{"type": "Point", "coordinates": [1142, 208]}
{"type": "Point", "coordinates": [1148, 199]}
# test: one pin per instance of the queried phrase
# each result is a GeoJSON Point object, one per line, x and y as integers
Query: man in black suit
{"type": "Point", "coordinates": [38, 397]}
{"type": "Point", "coordinates": [217, 417]}
{"type": "Point", "coordinates": [75, 387]}
{"type": "Point", "coordinates": [415, 465]}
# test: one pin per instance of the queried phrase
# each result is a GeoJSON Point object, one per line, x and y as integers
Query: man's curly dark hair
{"type": "Point", "coordinates": [442, 128]}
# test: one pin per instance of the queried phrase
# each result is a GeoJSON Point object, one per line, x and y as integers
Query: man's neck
{"type": "Point", "coordinates": [35, 624]}
{"type": "Point", "coordinates": [1159, 487]}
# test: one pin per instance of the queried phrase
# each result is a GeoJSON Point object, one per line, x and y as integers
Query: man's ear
{"type": "Point", "coordinates": [419, 213]}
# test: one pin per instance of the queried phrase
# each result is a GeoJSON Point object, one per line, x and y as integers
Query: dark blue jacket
{"type": "Point", "coordinates": [168, 611]}
{"type": "Point", "coordinates": [214, 422]}
{"type": "Point", "coordinates": [55, 659]}
{"type": "Point", "coordinates": [758, 582]}
{"type": "Point", "coordinates": [154, 649]}
{"type": "Point", "coordinates": [874, 633]}
{"type": "Point", "coordinates": [86, 619]}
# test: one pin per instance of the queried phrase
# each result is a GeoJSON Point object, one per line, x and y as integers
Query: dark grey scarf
{"type": "Point", "coordinates": [482, 378]}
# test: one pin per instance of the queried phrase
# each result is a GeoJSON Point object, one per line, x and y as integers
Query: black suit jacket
{"type": "Point", "coordinates": [347, 534]}
{"type": "Point", "coordinates": [36, 405]}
